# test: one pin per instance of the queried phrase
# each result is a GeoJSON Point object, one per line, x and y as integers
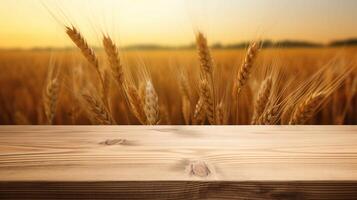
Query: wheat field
{"type": "Point", "coordinates": [108, 86]}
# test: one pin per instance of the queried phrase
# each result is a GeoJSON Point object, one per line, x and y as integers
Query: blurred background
{"type": "Point", "coordinates": [302, 41]}
{"type": "Point", "coordinates": [32, 23]}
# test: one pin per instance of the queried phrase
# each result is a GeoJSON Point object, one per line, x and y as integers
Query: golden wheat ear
{"type": "Point", "coordinates": [220, 119]}
{"type": "Point", "coordinates": [51, 93]}
{"type": "Point", "coordinates": [207, 96]}
{"type": "Point", "coordinates": [186, 95]}
{"type": "Point", "coordinates": [136, 103]}
{"type": "Point", "coordinates": [246, 68]}
{"type": "Point", "coordinates": [50, 99]}
{"type": "Point", "coordinates": [204, 54]}
{"type": "Point", "coordinates": [199, 115]}
{"type": "Point", "coordinates": [269, 117]}
{"type": "Point", "coordinates": [207, 87]}
{"type": "Point", "coordinates": [114, 60]}
{"type": "Point", "coordinates": [90, 56]}
{"type": "Point", "coordinates": [82, 44]}
{"type": "Point", "coordinates": [262, 99]}
{"type": "Point", "coordinates": [307, 109]}
{"type": "Point", "coordinates": [151, 107]}
{"type": "Point", "coordinates": [97, 110]}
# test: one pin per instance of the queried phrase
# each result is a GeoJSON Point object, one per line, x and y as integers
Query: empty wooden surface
{"type": "Point", "coordinates": [179, 162]}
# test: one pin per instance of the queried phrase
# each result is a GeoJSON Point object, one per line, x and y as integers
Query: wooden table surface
{"type": "Point", "coordinates": [178, 162]}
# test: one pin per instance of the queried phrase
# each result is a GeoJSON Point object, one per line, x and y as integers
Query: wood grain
{"type": "Point", "coordinates": [181, 190]}
{"type": "Point", "coordinates": [179, 162]}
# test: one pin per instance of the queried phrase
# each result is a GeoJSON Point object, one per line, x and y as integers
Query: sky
{"type": "Point", "coordinates": [40, 23]}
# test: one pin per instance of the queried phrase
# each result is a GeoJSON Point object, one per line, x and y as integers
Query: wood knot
{"type": "Point", "coordinates": [199, 168]}
{"type": "Point", "coordinates": [111, 142]}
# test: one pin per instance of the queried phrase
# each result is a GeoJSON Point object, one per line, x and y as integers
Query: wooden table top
{"type": "Point", "coordinates": [303, 160]}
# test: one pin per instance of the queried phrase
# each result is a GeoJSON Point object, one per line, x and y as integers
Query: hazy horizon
{"type": "Point", "coordinates": [27, 24]}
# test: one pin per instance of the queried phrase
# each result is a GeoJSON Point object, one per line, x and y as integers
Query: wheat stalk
{"type": "Point", "coordinates": [307, 109]}
{"type": "Point", "coordinates": [207, 84]}
{"type": "Point", "coordinates": [185, 96]}
{"type": "Point", "coordinates": [207, 96]}
{"type": "Point", "coordinates": [97, 110]}
{"type": "Point", "coordinates": [89, 54]}
{"type": "Point", "coordinates": [262, 99]}
{"type": "Point", "coordinates": [199, 115]}
{"type": "Point", "coordinates": [136, 104]}
{"type": "Point", "coordinates": [269, 117]}
{"type": "Point", "coordinates": [82, 44]}
{"type": "Point", "coordinates": [204, 54]}
{"type": "Point", "coordinates": [206, 62]}
{"type": "Point", "coordinates": [246, 68]}
{"type": "Point", "coordinates": [50, 97]}
{"type": "Point", "coordinates": [184, 85]}
{"type": "Point", "coordinates": [151, 106]}
{"type": "Point", "coordinates": [114, 59]}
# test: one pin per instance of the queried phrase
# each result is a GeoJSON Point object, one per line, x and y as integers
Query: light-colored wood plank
{"type": "Point", "coordinates": [178, 162]}
{"type": "Point", "coordinates": [178, 153]}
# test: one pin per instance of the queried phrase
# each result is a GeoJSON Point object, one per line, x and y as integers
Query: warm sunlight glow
{"type": "Point", "coordinates": [27, 23]}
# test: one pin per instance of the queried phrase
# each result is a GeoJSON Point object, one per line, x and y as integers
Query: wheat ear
{"type": "Point", "coordinates": [207, 96]}
{"type": "Point", "coordinates": [89, 54]}
{"type": "Point", "coordinates": [206, 85]}
{"type": "Point", "coordinates": [246, 68]}
{"type": "Point", "coordinates": [269, 117]}
{"type": "Point", "coordinates": [50, 97]}
{"type": "Point", "coordinates": [199, 115]}
{"type": "Point", "coordinates": [136, 104]}
{"type": "Point", "coordinates": [204, 54]}
{"type": "Point", "coordinates": [307, 109]}
{"type": "Point", "coordinates": [82, 44]}
{"type": "Point", "coordinates": [262, 99]}
{"type": "Point", "coordinates": [151, 106]}
{"type": "Point", "coordinates": [114, 60]}
{"type": "Point", "coordinates": [97, 110]}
